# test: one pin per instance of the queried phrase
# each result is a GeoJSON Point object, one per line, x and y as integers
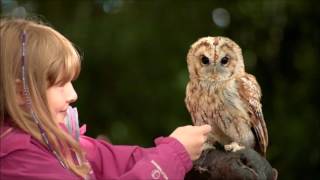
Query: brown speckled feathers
{"type": "Point", "coordinates": [222, 94]}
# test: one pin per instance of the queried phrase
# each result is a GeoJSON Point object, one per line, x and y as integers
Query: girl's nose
{"type": "Point", "coordinates": [71, 94]}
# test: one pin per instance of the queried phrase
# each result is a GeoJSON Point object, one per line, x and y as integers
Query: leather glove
{"type": "Point", "coordinates": [242, 164]}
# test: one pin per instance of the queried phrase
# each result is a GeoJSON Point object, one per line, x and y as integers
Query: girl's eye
{"type": "Point", "coordinates": [205, 60]}
{"type": "Point", "coordinates": [224, 60]}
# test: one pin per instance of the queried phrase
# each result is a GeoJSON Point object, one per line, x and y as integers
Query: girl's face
{"type": "Point", "coordinates": [59, 97]}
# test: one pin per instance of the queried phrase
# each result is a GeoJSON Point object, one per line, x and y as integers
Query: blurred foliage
{"type": "Point", "coordinates": [133, 78]}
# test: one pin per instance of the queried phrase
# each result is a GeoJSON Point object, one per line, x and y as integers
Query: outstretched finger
{"type": "Point", "coordinates": [205, 128]}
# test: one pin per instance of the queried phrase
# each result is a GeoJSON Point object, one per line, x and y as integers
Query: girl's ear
{"type": "Point", "coordinates": [19, 92]}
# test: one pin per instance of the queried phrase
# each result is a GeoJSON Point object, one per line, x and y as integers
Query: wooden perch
{"type": "Point", "coordinates": [243, 164]}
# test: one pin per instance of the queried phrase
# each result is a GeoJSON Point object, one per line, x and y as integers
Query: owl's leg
{"type": "Point", "coordinates": [233, 147]}
{"type": "Point", "coordinates": [207, 147]}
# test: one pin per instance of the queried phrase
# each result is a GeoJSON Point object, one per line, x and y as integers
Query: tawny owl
{"type": "Point", "coordinates": [222, 94]}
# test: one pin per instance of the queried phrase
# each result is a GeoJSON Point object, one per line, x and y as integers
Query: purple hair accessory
{"type": "Point", "coordinates": [72, 122]}
{"type": "Point", "coordinates": [26, 93]}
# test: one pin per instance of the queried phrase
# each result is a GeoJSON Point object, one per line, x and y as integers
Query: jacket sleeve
{"type": "Point", "coordinates": [23, 157]}
{"type": "Point", "coordinates": [167, 160]}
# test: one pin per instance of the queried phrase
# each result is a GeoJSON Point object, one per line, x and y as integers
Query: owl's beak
{"type": "Point", "coordinates": [213, 66]}
{"type": "Point", "coordinates": [214, 62]}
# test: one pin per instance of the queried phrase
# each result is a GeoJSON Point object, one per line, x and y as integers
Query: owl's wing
{"type": "Point", "coordinates": [190, 101]}
{"type": "Point", "coordinates": [250, 92]}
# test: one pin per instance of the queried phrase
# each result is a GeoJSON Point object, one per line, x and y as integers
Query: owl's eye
{"type": "Point", "coordinates": [224, 60]}
{"type": "Point", "coordinates": [205, 60]}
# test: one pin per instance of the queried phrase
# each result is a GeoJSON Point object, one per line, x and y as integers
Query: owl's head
{"type": "Point", "coordinates": [214, 59]}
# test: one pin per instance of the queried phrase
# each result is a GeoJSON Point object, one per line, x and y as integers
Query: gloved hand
{"type": "Point", "coordinates": [242, 164]}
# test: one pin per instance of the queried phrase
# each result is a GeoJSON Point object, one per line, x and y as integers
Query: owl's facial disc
{"type": "Point", "coordinates": [216, 69]}
{"type": "Point", "coordinates": [213, 59]}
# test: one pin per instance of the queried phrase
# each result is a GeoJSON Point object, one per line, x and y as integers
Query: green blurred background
{"type": "Point", "coordinates": [134, 73]}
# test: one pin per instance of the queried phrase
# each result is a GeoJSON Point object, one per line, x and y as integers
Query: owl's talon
{"type": "Point", "coordinates": [207, 147]}
{"type": "Point", "coordinates": [201, 169]}
{"type": "Point", "coordinates": [233, 147]}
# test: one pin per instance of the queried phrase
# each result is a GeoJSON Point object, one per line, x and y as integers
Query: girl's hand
{"type": "Point", "coordinates": [192, 138]}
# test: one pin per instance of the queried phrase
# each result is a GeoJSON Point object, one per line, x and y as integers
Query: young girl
{"type": "Point", "coordinates": [37, 65]}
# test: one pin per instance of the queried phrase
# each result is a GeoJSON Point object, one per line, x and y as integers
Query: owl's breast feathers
{"type": "Point", "coordinates": [232, 108]}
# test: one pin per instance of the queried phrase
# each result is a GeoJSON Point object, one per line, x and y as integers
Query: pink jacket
{"type": "Point", "coordinates": [23, 157]}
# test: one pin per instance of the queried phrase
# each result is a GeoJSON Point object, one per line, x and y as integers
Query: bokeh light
{"type": "Point", "coordinates": [221, 17]}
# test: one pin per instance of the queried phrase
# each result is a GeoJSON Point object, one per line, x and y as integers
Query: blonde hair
{"type": "Point", "coordinates": [50, 59]}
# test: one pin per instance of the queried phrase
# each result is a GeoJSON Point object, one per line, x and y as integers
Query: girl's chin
{"type": "Point", "coordinates": [60, 118]}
